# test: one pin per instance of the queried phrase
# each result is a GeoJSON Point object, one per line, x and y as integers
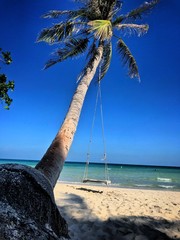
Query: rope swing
{"type": "Point", "coordinates": [106, 179]}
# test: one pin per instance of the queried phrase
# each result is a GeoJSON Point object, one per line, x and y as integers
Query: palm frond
{"type": "Point", "coordinates": [72, 48]}
{"type": "Point", "coordinates": [102, 9]}
{"type": "Point", "coordinates": [102, 29]}
{"type": "Point", "coordinates": [119, 4]}
{"type": "Point", "coordinates": [92, 50]}
{"type": "Point", "coordinates": [71, 14]}
{"type": "Point", "coordinates": [137, 13]}
{"type": "Point", "coordinates": [92, 55]}
{"type": "Point", "coordinates": [81, 1]}
{"type": "Point", "coordinates": [130, 28]}
{"type": "Point", "coordinates": [128, 59]}
{"type": "Point", "coordinates": [93, 11]}
{"type": "Point", "coordinates": [145, 8]}
{"type": "Point", "coordinates": [56, 13]}
{"type": "Point", "coordinates": [106, 60]}
{"type": "Point", "coordinates": [81, 13]}
{"type": "Point", "coordinates": [56, 33]}
{"type": "Point", "coordinates": [118, 20]}
{"type": "Point", "coordinates": [106, 8]}
{"type": "Point", "coordinates": [117, 7]}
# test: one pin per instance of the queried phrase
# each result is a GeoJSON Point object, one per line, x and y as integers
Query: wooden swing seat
{"type": "Point", "coordinates": [86, 180]}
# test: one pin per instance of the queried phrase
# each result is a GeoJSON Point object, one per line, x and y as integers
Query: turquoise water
{"type": "Point", "coordinates": [130, 176]}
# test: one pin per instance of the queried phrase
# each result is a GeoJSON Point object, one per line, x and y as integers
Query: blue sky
{"type": "Point", "coordinates": [142, 120]}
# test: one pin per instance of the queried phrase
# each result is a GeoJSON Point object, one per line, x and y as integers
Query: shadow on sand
{"type": "Point", "coordinates": [120, 228]}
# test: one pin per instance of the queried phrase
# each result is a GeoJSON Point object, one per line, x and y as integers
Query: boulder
{"type": "Point", "coordinates": [27, 207]}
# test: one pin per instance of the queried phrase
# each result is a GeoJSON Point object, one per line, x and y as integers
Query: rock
{"type": "Point", "coordinates": [141, 237]}
{"type": "Point", "coordinates": [27, 206]}
{"type": "Point", "coordinates": [129, 236]}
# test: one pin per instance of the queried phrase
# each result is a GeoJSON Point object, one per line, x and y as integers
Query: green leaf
{"type": "Point", "coordinates": [92, 55]}
{"type": "Point", "coordinates": [7, 57]}
{"type": "Point", "coordinates": [106, 60]}
{"type": "Point", "coordinates": [145, 8]}
{"type": "Point", "coordinates": [55, 13]}
{"type": "Point", "coordinates": [102, 29]}
{"type": "Point", "coordinates": [128, 59]}
{"type": "Point", "coordinates": [130, 28]}
{"type": "Point", "coordinates": [72, 48]}
{"type": "Point", "coordinates": [137, 13]}
{"type": "Point", "coordinates": [56, 33]}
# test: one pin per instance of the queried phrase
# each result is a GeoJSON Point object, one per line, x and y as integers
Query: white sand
{"type": "Point", "coordinates": [104, 213]}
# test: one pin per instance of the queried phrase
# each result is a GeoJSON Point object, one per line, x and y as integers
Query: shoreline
{"type": "Point", "coordinates": [105, 212]}
{"type": "Point", "coordinates": [129, 176]}
{"type": "Point", "coordinates": [116, 186]}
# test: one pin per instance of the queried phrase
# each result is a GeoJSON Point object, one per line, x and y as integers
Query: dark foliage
{"type": "Point", "coordinates": [5, 85]}
{"type": "Point", "coordinates": [128, 58]}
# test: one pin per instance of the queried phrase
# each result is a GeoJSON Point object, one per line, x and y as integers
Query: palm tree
{"type": "Point", "coordinates": [89, 29]}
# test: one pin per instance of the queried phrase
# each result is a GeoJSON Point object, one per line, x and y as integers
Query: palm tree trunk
{"type": "Point", "coordinates": [52, 162]}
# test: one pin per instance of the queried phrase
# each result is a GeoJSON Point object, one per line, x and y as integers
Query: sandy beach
{"type": "Point", "coordinates": [104, 213]}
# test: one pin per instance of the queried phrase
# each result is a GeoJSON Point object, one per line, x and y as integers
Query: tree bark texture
{"type": "Point", "coordinates": [52, 162]}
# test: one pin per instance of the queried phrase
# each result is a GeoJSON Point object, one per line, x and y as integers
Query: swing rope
{"type": "Point", "coordinates": [103, 135]}
{"type": "Point", "coordinates": [85, 178]}
{"type": "Point", "coordinates": [90, 140]}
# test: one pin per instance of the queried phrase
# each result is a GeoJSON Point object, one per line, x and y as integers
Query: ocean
{"type": "Point", "coordinates": [126, 176]}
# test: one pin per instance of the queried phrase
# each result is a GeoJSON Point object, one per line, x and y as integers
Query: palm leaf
{"type": "Point", "coordinates": [56, 13]}
{"type": "Point", "coordinates": [102, 29]}
{"type": "Point", "coordinates": [81, 13]}
{"type": "Point", "coordinates": [119, 4]}
{"type": "Point", "coordinates": [128, 59]}
{"type": "Point", "coordinates": [81, 1]}
{"type": "Point", "coordinates": [56, 33]}
{"type": "Point", "coordinates": [137, 13]}
{"type": "Point", "coordinates": [72, 48]}
{"type": "Point", "coordinates": [133, 28]}
{"type": "Point", "coordinates": [106, 60]}
{"type": "Point", "coordinates": [92, 54]}
{"type": "Point", "coordinates": [93, 11]}
{"type": "Point", "coordinates": [92, 50]}
{"type": "Point", "coordinates": [106, 8]}
{"type": "Point", "coordinates": [145, 8]}
{"type": "Point", "coordinates": [102, 9]}
{"type": "Point", "coordinates": [118, 20]}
